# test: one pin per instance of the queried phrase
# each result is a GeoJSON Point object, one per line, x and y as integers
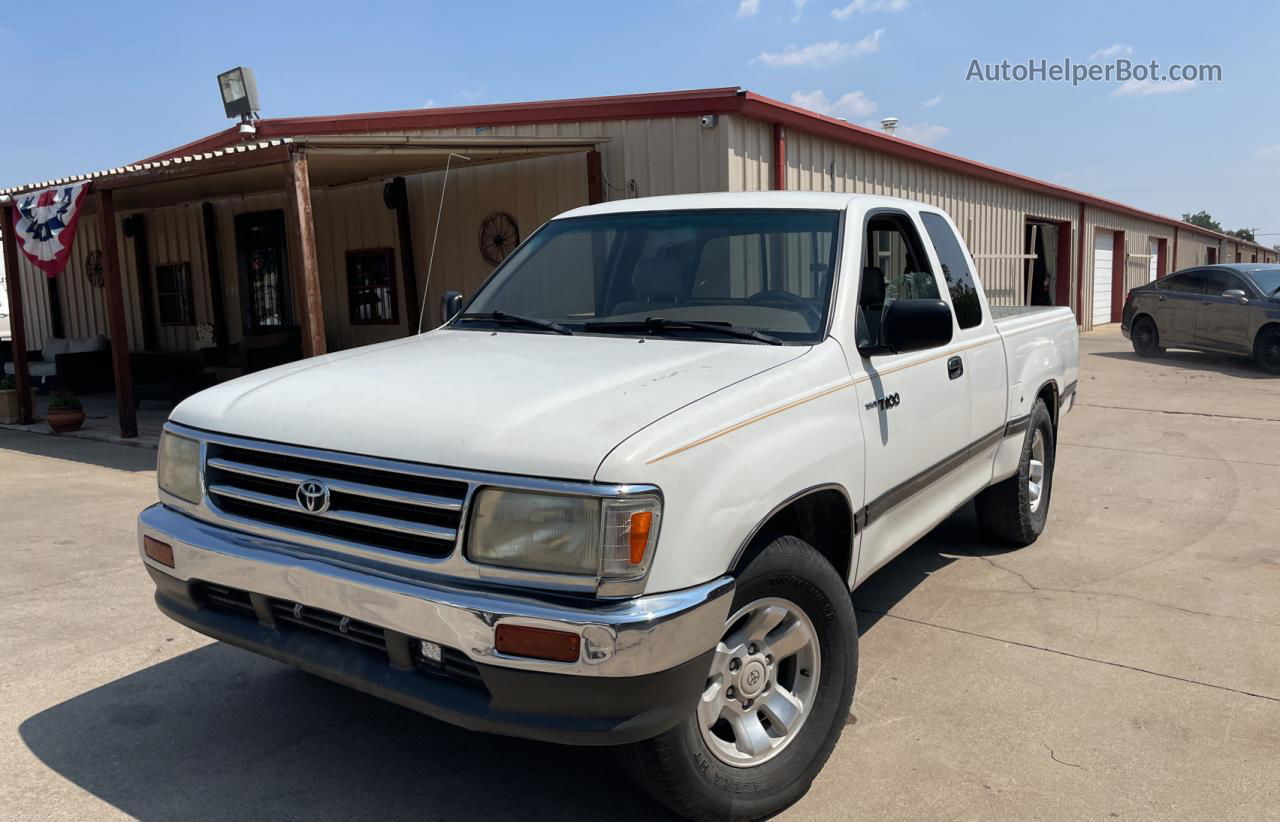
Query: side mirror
{"type": "Point", "coordinates": [1236, 294]}
{"type": "Point", "coordinates": [912, 325]}
{"type": "Point", "coordinates": [450, 305]}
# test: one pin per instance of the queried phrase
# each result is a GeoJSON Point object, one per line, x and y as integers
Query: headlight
{"type": "Point", "coordinates": [610, 538]}
{"type": "Point", "coordinates": [178, 471]}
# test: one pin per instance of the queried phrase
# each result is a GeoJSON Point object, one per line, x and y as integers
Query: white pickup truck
{"type": "Point", "coordinates": [623, 496]}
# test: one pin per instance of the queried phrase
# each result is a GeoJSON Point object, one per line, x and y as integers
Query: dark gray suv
{"type": "Point", "coordinates": [1231, 309]}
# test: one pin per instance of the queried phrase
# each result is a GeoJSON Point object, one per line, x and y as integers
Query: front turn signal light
{"type": "Point", "coordinates": [537, 643]}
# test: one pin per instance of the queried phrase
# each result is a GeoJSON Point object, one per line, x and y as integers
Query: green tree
{"type": "Point", "coordinates": [1243, 233]}
{"type": "Point", "coordinates": [1203, 219]}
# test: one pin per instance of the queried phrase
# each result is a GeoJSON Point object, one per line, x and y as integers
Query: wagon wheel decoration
{"type": "Point", "coordinates": [499, 235]}
{"type": "Point", "coordinates": [93, 268]}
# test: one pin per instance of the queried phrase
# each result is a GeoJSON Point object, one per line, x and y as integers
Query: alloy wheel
{"type": "Point", "coordinates": [762, 685]}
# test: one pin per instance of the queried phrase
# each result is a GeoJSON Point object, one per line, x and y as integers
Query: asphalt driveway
{"type": "Point", "coordinates": [1126, 666]}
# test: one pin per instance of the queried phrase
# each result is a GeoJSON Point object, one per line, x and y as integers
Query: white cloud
{"type": "Point", "coordinates": [748, 8]}
{"type": "Point", "coordinates": [932, 101]}
{"type": "Point", "coordinates": [1270, 152]}
{"type": "Point", "coordinates": [1141, 88]}
{"type": "Point", "coordinates": [1118, 50]}
{"type": "Point", "coordinates": [849, 106]}
{"type": "Point", "coordinates": [799, 4]}
{"type": "Point", "coordinates": [472, 94]}
{"type": "Point", "coordinates": [430, 103]}
{"type": "Point", "coordinates": [820, 54]}
{"type": "Point", "coordinates": [868, 6]}
{"type": "Point", "coordinates": [925, 133]}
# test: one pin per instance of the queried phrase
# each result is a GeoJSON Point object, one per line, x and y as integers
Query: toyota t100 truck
{"type": "Point", "coordinates": [622, 495]}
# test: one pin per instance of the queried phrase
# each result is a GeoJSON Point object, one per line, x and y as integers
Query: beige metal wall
{"type": "Point", "coordinates": [991, 217]}
{"type": "Point", "coordinates": [1193, 248]}
{"type": "Point", "coordinates": [1137, 237]}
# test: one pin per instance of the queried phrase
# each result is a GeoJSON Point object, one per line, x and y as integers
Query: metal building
{"type": "Point", "coordinates": [326, 224]}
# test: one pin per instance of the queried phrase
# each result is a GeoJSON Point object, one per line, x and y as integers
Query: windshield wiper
{"type": "Point", "coordinates": [515, 319]}
{"type": "Point", "coordinates": [659, 324]}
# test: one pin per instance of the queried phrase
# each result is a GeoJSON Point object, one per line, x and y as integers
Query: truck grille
{"type": "Point", "coordinates": [391, 509]}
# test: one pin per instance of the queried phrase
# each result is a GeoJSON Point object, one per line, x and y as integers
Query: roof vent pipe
{"type": "Point", "coordinates": [889, 124]}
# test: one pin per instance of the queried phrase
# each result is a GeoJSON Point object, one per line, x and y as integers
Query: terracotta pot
{"type": "Point", "coordinates": [9, 405]}
{"type": "Point", "coordinates": [62, 420]}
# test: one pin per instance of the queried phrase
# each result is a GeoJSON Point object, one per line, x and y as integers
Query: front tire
{"type": "Point", "coordinates": [1266, 350]}
{"type": "Point", "coordinates": [1014, 511]}
{"type": "Point", "coordinates": [776, 700]}
{"type": "Point", "coordinates": [1146, 338]}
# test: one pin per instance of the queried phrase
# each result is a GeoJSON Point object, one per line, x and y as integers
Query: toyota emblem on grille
{"type": "Point", "coordinates": [313, 496]}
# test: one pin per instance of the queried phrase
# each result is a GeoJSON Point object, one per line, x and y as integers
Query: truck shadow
{"type": "Point", "coordinates": [222, 733]}
{"type": "Point", "coordinates": [958, 535]}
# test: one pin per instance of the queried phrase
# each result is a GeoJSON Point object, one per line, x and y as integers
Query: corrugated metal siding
{"type": "Point", "coordinates": [1192, 249]}
{"type": "Point", "coordinates": [1137, 240]}
{"type": "Point", "coordinates": [991, 217]}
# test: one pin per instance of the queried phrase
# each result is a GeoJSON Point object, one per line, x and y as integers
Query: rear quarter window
{"type": "Point", "coordinates": [955, 270]}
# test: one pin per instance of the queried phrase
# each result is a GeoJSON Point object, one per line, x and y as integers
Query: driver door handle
{"type": "Point", "coordinates": [955, 368]}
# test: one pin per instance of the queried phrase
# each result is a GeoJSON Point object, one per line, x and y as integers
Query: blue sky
{"type": "Point", "coordinates": [92, 86]}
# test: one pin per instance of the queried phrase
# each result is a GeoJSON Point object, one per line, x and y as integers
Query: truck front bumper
{"type": "Point", "coordinates": [642, 668]}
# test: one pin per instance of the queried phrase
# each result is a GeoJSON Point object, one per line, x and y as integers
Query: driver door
{"type": "Point", "coordinates": [915, 413]}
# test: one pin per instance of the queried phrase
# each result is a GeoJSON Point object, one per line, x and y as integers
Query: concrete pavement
{"type": "Point", "coordinates": [1126, 666]}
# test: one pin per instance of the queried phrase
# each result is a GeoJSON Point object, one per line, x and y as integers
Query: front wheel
{"type": "Point", "coordinates": [1266, 350]}
{"type": "Point", "coordinates": [776, 698]}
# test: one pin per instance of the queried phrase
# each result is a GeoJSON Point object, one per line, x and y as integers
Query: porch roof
{"type": "Point", "coordinates": [339, 159]}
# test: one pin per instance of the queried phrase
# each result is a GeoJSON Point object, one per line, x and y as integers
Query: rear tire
{"type": "Point", "coordinates": [716, 764]}
{"type": "Point", "coordinates": [1146, 338]}
{"type": "Point", "coordinates": [1266, 350]}
{"type": "Point", "coordinates": [1014, 511]}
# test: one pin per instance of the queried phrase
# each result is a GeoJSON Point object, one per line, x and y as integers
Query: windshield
{"type": "Point", "coordinates": [769, 271]}
{"type": "Point", "coordinates": [1268, 280]}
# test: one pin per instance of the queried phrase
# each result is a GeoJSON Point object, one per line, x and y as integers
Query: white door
{"type": "Point", "coordinates": [1103, 244]}
{"type": "Point", "coordinates": [1153, 264]}
{"type": "Point", "coordinates": [915, 406]}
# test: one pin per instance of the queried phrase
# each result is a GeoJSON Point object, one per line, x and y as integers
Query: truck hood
{"type": "Point", "coordinates": [536, 404]}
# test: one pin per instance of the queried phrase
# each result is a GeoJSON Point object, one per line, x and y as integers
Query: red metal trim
{"type": "Point", "coordinates": [1162, 257]}
{"type": "Point", "coordinates": [779, 157]}
{"type": "Point", "coordinates": [1175, 248]}
{"type": "Point", "coordinates": [617, 107]}
{"type": "Point", "coordinates": [662, 104]}
{"type": "Point", "coordinates": [1119, 271]}
{"type": "Point", "coordinates": [1062, 288]}
{"type": "Point", "coordinates": [1080, 268]}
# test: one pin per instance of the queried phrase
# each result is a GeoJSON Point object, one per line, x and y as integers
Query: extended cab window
{"type": "Point", "coordinates": [769, 271]}
{"type": "Point", "coordinates": [894, 267]}
{"type": "Point", "coordinates": [955, 270]}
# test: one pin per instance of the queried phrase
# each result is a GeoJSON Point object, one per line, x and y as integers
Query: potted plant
{"type": "Point", "coordinates": [65, 413]}
{"type": "Point", "coordinates": [9, 400]}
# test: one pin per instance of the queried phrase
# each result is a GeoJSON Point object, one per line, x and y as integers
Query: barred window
{"type": "Point", "coordinates": [371, 287]}
{"type": "Point", "coordinates": [173, 292]}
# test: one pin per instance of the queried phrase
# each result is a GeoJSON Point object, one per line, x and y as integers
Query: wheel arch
{"type": "Point", "coordinates": [821, 515]}
{"type": "Point", "coordinates": [1268, 325]}
{"type": "Point", "coordinates": [1050, 392]}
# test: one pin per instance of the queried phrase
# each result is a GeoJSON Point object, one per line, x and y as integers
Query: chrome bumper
{"type": "Point", "coordinates": [626, 638]}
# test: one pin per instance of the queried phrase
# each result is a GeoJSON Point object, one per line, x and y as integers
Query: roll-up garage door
{"type": "Point", "coordinates": [1103, 244]}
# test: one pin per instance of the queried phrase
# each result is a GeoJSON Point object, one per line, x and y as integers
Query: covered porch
{"type": "Point", "coordinates": [214, 265]}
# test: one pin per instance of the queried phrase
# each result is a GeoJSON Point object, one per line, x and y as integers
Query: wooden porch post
{"type": "Point", "coordinates": [408, 266]}
{"type": "Point", "coordinates": [117, 329]}
{"type": "Point", "coordinates": [301, 233]}
{"type": "Point", "coordinates": [17, 325]}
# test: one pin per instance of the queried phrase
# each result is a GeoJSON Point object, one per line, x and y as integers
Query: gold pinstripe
{"type": "Point", "coordinates": [714, 435]}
